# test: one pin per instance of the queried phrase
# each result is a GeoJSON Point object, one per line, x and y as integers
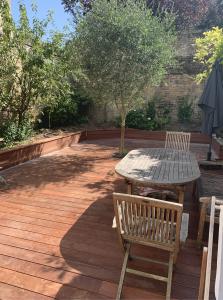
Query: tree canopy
{"type": "Point", "coordinates": [209, 48]}
{"type": "Point", "coordinates": [190, 13]}
{"type": "Point", "coordinates": [121, 48]}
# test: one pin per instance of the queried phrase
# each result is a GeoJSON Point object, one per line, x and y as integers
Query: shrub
{"type": "Point", "coordinates": [139, 119]}
{"type": "Point", "coordinates": [71, 111]}
{"type": "Point", "coordinates": [33, 70]}
{"type": "Point", "coordinates": [12, 133]}
{"type": "Point", "coordinates": [149, 119]}
{"type": "Point", "coordinates": [185, 109]}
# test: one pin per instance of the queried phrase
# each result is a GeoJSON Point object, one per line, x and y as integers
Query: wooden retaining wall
{"type": "Point", "coordinates": [196, 137]}
{"type": "Point", "coordinates": [15, 156]}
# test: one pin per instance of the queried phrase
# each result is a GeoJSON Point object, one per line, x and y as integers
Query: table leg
{"type": "Point", "coordinates": [181, 196]}
{"type": "Point", "coordinates": [129, 187]}
{"type": "Point", "coordinates": [196, 189]}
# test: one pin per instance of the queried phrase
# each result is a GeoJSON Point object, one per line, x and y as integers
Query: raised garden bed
{"type": "Point", "coordinates": [17, 155]}
{"type": "Point", "coordinates": [130, 133]}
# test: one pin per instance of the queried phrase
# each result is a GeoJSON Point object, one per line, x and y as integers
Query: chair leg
{"type": "Point", "coordinates": [201, 225]}
{"type": "Point", "coordinates": [170, 273]}
{"type": "Point", "coordinates": [122, 277]}
{"type": "Point", "coordinates": [181, 196]}
{"type": "Point", "coordinates": [195, 187]}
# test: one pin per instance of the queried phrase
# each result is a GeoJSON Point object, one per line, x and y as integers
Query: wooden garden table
{"type": "Point", "coordinates": [159, 168]}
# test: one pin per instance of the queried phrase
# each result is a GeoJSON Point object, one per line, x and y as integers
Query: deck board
{"type": "Point", "coordinates": [56, 240]}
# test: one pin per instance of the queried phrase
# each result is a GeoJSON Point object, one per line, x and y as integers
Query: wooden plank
{"type": "Point", "coordinates": [57, 214]}
{"type": "Point", "coordinates": [10, 292]}
{"type": "Point", "coordinates": [158, 166]}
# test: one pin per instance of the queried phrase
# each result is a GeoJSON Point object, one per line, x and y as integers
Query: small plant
{"type": "Point", "coordinates": [185, 109]}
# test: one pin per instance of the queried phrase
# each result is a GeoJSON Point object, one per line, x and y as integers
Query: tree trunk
{"type": "Point", "coordinates": [49, 120]}
{"type": "Point", "coordinates": [122, 140]}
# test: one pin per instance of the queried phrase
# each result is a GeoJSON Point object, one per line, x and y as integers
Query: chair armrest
{"type": "Point", "coordinates": [205, 200]}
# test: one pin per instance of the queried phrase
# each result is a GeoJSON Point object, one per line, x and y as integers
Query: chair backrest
{"type": "Point", "coordinates": [148, 221]}
{"type": "Point", "coordinates": [177, 140]}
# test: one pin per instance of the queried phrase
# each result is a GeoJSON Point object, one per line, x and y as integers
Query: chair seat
{"type": "Point", "coordinates": [144, 232]}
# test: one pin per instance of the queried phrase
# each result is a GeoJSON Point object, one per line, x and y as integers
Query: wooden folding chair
{"type": "Point", "coordinates": [149, 222]}
{"type": "Point", "coordinates": [205, 212]}
{"type": "Point", "coordinates": [177, 140]}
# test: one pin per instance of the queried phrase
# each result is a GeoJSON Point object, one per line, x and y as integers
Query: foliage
{"type": "Point", "coordinates": [33, 70]}
{"type": "Point", "coordinates": [163, 118]}
{"type": "Point", "coordinates": [214, 16]}
{"type": "Point", "coordinates": [139, 119]}
{"type": "Point", "coordinates": [73, 111]}
{"type": "Point", "coordinates": [189, 13]}
{"type": "Point", "coordinates": [149, 118]}
{"type": "Point", "coordinates": [121, 48]}
{"type": "Point", "coordinates": [10, 132]}
{"type": "Point", "coordinates": [185, 109]}
{"type": "Point", "coordinates": [209, 48]}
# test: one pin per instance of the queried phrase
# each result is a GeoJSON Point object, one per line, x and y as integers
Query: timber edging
{"type": "Point", "coordinates": [20, 154]}
{"type": "Point", "coordinates": [130, 133]}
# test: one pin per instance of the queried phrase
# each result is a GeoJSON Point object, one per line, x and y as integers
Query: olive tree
{"type": "Point", "coordinates": [121, 48]}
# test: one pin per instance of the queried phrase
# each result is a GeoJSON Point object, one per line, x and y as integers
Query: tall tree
{"type": "Point", "coordinates": [189, 13]}
{"type": "Point", "coordinates": [33, 70]}
{"type": "Point", "coordinates": [121, 48]}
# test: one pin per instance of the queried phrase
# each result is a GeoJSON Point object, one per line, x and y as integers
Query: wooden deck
{"type": "Point", "coordinates": [56, 240]}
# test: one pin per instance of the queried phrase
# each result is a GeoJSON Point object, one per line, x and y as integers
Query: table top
{"type": "Point", "coordinates": [159, 166]}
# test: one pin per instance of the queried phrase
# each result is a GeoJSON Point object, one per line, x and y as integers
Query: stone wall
{"type": "Point", "coordinates": [178, 84]}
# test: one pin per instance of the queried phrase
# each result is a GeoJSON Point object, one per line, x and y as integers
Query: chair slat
{"type": "Point", "coordinates": [162, 225]}
{"type": "Point", "coordinates": [178, 140]}
{"type": "Point", "coordinates": [172, 227]}
{"type": "Point", "coordinates": [149, 224]}
{"type": "Point", "coordinates": [167, 225]}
